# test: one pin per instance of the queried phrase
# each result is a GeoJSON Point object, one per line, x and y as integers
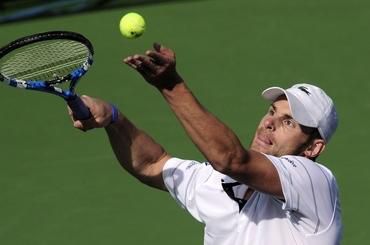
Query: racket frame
{"type": "Point", "coordinates": [49, 86]}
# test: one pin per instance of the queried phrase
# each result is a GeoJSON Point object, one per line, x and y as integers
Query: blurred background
{"type": "Point", "coordinates": [62, 186]}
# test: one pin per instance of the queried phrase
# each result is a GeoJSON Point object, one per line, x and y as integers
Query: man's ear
{"type": "Point", "coordinates": [315, 148]}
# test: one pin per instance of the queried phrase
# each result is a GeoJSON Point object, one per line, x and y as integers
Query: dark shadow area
{"type": "Point", "coordinates": [18, 10]}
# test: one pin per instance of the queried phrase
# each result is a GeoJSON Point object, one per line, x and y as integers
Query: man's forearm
{"type": "Point", "coordinates": [214, 139]}
{"type": "Point", "coordinates": [136, 151]}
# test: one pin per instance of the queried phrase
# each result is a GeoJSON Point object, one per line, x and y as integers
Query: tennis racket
{"type": "Point", "coordinates": [46, 61]}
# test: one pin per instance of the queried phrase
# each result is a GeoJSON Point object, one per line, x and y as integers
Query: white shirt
{"type": "Point", "coordinates": [310, 214]}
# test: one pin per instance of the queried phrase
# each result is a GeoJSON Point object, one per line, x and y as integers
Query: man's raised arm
{"type": "Point", "coordinates": [135, 150]}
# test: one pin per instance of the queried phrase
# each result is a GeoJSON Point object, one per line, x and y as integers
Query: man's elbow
{"type": "Point", "coordinates": [151, 173]}
{"type": "Point", "coordinates": [229, 162]}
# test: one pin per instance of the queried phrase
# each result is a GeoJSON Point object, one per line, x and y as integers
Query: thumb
{"type": "Point", "coordinates": [157, 47]}
{"type": "Point", "coordinates": [164, 50]}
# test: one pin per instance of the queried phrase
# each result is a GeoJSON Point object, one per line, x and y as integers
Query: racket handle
{"type": "Point", "coordinates": [79, 109]}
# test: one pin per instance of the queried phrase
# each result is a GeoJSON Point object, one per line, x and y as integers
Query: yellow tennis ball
{"type": "Point", "coordinates": [132, 25]}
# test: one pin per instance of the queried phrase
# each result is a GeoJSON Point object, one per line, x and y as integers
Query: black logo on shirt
{"type": "Point", "coordinates": [290, 161]}
{"type": "Point", "coordinates": [228, 188]}
{"type": "Point", "coordinates": [191, 164]}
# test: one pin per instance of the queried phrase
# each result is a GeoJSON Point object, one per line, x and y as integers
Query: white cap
{"type": "Point", "coordinates": [310, 106]}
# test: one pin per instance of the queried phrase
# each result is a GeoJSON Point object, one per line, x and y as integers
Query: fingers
{"type": "Point", "coordinates": [157, 57]}
{"type": "Point", "coordinates": [70, 112]}
{"type": "Point", "coordinates": [131, 62]}
{"type": "Point", "coordinates": [157, 66]}
{"type": "Point", "coordinates": [146, 63]}
{"type": "Point", "coordinates": [85, 125]}
{"type": "Point", "coordinates": [142, 63]}
{"type": "Point", "coordinates": [86, 99]}
{"type": "Point", "coordinates": [135, 62]}
{"type": "Point", "coordinates": [160, 48]}
{"type": "Point", "coordinates": [100, 111]}
{"type": "Point", "coordinates": [166, 52]}
{"type": "Point", "coordinates": [157, 47]}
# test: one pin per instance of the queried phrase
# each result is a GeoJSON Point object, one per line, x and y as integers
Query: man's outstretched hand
{"type": "Point", "coordinates": [157, 66]}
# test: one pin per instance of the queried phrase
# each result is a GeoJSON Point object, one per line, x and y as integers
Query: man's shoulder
{"type": "Point", "coordinates": [186, 166]}
{"type": "Point", "coordinates": [293, 160]}
{"type": "Point", "coordinates": [300, 162]}
{"type": "Point", "coordinates": [174, 161]}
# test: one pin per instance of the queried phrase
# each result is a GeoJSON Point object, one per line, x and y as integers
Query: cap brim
{"type": "Point", "coordinates": [298, 109]}
{"type": "Point", "coordinates": [273, 93]}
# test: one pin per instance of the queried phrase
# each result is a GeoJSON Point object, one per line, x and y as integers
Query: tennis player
{"type": "Point", "coordinates": [274, 192]}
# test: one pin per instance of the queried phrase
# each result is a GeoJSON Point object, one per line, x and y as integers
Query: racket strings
{"type": "Point", "coordinates": [46, 60]}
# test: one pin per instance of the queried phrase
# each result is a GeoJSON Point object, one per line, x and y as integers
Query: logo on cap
{"type": "Point", "coordinates": [304, 89]}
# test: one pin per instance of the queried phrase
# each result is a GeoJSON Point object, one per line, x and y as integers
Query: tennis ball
{"type": "Point", "coordinates": [132, 25]}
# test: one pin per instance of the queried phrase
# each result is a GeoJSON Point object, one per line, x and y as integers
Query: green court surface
{"type": "Point", "coordinates": [61, 186]}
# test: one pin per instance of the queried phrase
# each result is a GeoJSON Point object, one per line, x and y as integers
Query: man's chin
{"type": "Point", "coordinates": [258, 148]}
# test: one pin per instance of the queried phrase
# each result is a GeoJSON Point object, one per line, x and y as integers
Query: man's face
{"type": "Point", "coordinates": [278, 133]}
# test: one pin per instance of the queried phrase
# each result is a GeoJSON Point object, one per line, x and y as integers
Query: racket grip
{"type": "Point", "coordinates": [79, 109]}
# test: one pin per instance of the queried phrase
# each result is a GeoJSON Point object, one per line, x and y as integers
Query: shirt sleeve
{"type": "Point", "coordinates": [182, 177]}
{"type": "Point", "coordinates": [309, 190]}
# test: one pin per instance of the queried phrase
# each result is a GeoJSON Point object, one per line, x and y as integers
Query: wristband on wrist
{"type": "Point", "coordinates": [114, 114]}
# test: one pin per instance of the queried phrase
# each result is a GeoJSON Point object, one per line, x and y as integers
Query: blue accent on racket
{"type": "Point", "coordinates": [46, 61]}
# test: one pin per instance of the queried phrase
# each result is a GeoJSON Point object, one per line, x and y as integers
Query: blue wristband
{"type": "Point", "coordinates": [114, 114]}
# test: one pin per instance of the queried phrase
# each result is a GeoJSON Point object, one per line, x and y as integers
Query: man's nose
{"type": "Point", "coordinates": [269, 123]}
